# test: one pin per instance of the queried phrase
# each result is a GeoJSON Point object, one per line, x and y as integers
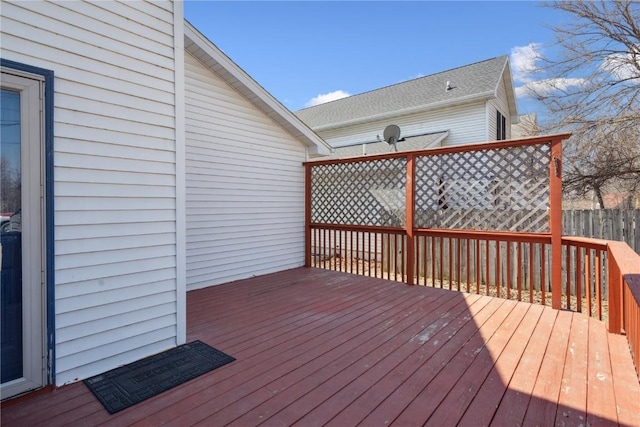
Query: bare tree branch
{"type": "Point", "coordinates": [591, 86]}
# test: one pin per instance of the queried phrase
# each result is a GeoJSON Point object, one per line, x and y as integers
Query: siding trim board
{"type": "Point", "coordinates": [181, 173]}
{"type": "Point", "coordinates": [49, 236]}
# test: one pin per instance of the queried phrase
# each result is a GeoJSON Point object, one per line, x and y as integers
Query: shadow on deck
{"type": "Point", "coordinates": [319, 347]}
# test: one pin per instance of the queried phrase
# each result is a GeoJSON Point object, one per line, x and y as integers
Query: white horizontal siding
{"type": "Point", "coordinates": [466, 125]}
{"type": "Point", "coordinates": [245, 185]}
{"type": "Point", "coordinates": [114, 170]}
{"type": "Point", "coordinates": [498, 104]}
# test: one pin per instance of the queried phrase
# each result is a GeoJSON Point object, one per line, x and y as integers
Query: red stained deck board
{"type": "Point", "coordinates": [378, 392]}
{"type": "Point", "coordinates": [543, 404]}
{"type": "Point", "coordinates": [600, 391]}
{"type": "Point", "coordinates": [513, 405]}
{"type": "Point", "coordinates": [54, 408]}
{"type": "Point", "coordinates": [452, 354]}
{"type": "Point", "coordinates": [249, 334]}
{"type": "Point", "coordinates": [454, 404]}
{"type": "Point", "coordinates": [317, 346]}
{"type": "Point", "coordinates": [341, 390]}
{"type": "Point", "coordinates": [625, 381]}
{"type": "Point", "coordinates": [340, 364]}
{"type": "Point", "coordinates": [572, 402]}
{"type": "Point", "coordinates": [488, 397]}
{"type": "Point", "coordinates": [45, 402]}
{"type": "Point", "coordinates": [286, 305]}
{"type": "Point", "coordinates": [382, 328]}
{"type": "Point", "coordinates": [290, 354]}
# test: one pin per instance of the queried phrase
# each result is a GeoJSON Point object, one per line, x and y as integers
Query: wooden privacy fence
{"type": "Point", "coordinates": [607, 224]}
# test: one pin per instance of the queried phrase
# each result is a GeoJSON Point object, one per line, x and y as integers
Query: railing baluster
{"type": "Point", "coordinates": [433, 261]}
{"type": "Point", "coordinates": [578, 279]}
{"type": "Point", "coordinates": [508, 280]}
{"type": "Point", "coordinates": [597, 283]}
{"type": "Point", "coordinates": [519, 273]}
{"type": "Point", "coordinates": [478, 266]}
{"type": "Point", "coordinates": [487, 266]}
{"type": "Point", "coordinates": [498, 268]}
{"type": "Point", "coordinates": [587, 279]}
{"type": "Point", "coordinates": [468, 264]}
{"type": "Point", "coordinates": [531, 271]}
{"type": "Point", "coordinates": [543, 269]}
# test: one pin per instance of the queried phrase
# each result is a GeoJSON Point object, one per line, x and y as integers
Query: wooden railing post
{"type": "Point", "coordinates": [615, 294]}
{"type": "Point", "coordinates": [555, 220]}
{"type": "Point", "coordinates": [307, 215]}
{"type": "Point", "coordinates": [409, 218]}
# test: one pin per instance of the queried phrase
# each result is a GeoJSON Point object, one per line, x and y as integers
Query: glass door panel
{"type": "Point", "coordinates": [10, 238]}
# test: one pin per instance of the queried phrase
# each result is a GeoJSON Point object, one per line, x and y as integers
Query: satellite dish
{"type": "Point", "coordinates": [391, 134]}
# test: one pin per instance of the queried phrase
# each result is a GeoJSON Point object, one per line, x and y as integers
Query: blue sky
{"type": "Point", "coordinates": [301, 51]}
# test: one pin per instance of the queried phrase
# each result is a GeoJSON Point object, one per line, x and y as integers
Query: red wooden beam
{"type": "Point", "coordinates": [409, 218]}
{"type": "Point", "coordinates": [555, 220]}
{"type": "Point", "coordinates": [307, 216]}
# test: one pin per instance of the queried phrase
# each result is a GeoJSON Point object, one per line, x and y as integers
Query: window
{"type": "Point", "coordinates": [501, 126]}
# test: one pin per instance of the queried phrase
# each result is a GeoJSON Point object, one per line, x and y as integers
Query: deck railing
{"type": "Point", "coordinates": [483, 218]}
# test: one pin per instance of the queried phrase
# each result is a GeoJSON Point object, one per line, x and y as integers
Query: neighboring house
{"type": "Point", "coordinates": [471, 104]}
{"type": "Point", "coordinates": [151, 164]}
{"type": "Point", "coordinates": [526, 127]}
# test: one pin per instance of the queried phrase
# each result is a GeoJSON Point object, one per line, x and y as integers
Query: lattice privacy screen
{"type": "Point", "coordinates": [360, 193]}
{"type": "Point", "coordinates": [504, 189]}
{"type": "Point", "coordinates": [500, 189]}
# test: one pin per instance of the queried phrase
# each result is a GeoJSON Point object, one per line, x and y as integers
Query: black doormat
{"type": "Point", "coordinates": [130, 384]}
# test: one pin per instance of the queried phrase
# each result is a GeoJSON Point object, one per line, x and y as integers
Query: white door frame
{"type": "Point", "coordinates": [33, 227]}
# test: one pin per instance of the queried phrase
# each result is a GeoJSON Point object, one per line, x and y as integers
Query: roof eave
{"type": "Point", "coordinates": [219, 63]}
{"type": "Point", "coordinates": [511, 96]}
{"type": "Point", "coordinates": [411, 110]}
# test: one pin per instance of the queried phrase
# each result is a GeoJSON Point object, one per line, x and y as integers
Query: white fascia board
{"type": "Point", "coordinates": [407, 111]}
{"type": "Point", "coordinates": [511, 96]}
{"type": "Point", "coordinates": [248, 87]}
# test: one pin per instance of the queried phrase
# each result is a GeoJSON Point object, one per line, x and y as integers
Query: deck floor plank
{"type": "Point", "coordinates": [344, 369]}
{"type": "Point", "coordinates": [600, 391]}
{"type": "Point", "coordinates": [389, 333]}
{"type": "Point", "coordinates": [487, 399]}
{"type": "Point", "coordinates": [452, 407]}
{"type": "Point", "coordinates": [319, 347]}
{"type": "Point", "coordinates": [626, 385]}
{"type": "Point", "coordinates": [378, 392]}
{"type": "Point", "coordinates": [513, 405]}
{"type": "Point", "coordinates": [572, 404]}
{"type": "Point", "coordinates": [342, 390]}
{"type": "Point", "coordinates": [543, 404]}
{"type": "Point", "coordinates": [445, 367]}
{"type": "Point", "coordinates": [291, 352]}
{"type": "Point", "coordinates": [340, 364]}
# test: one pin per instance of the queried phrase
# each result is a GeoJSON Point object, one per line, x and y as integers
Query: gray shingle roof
{"type": "Point", "coordinates": [470, 81]}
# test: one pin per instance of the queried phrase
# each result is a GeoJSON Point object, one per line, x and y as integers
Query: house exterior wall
{"type": "Point", "coordinates": [501, 104]}
{"type": "Point", "coordinates": [244, 185]}
{"type": "Point", "coordinates": [114, 175]}
{"type": "Point", "coordinates": [465, 123]}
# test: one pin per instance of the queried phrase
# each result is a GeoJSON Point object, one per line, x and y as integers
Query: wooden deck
{"type": "Point", "coordinates": [317, 347]}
